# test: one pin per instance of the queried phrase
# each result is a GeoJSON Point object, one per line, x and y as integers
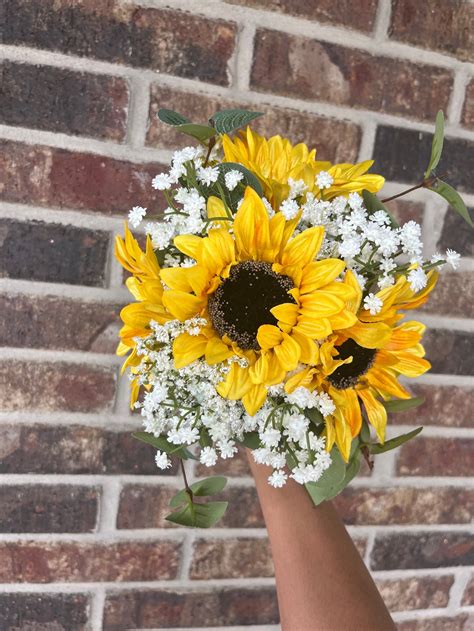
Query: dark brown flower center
{"type": "Point", "coordinates": [242, 303]}
{"type": "Point", "coordinates": [347, 375]}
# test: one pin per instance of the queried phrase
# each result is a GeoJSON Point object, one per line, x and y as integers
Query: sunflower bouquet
{"type": "Point", "coordinates": [269, 310]}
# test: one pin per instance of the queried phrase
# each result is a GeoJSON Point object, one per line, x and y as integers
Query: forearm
{"type": "Point", "coordinates": [322, 582]}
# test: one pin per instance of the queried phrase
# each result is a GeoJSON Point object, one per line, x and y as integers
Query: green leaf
{"type": "Point", "coordinates": [437, 144]}
{"type": "Point", "coordinates": [393, 443]}
{"type": "Point", "coordinates": [365, 432]}
{"type": "Point", "coordinates": [170, 117]}
{"type": "Point", "coordinates": [373, 203]}
{"type": "Point", "coordinates": [200, 132]}
{"type": "Point", "coordinates": [201, 488]}
{"type": "Point", "coordinates": [448, 193]}
{"type": "Point", "coordinates": [249, 178]}
{"type": "Point", "coordinates": [251, 440]}
{"type": "Point", "coordinates": [314, 415]}
{"type": "Point", "coordinates": [160, 442]}
{"type": "Point", "coordinates": [328, 487]}
{"type": "Point", "coordinates": [227, 121]}
{"type": "Point", "coordinates": [400, 405]}
{"type": "Point", "coordinates": [199, 515]}
{"type": "Point", "coordinates": [204, 438]}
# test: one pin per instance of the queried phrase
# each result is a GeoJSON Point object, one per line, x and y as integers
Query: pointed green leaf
{"type": "Point", "coordinates": [365, 432]}
{"type": "Point", "coordinates": [199, 515]}
{"type": "Point", "coordinates": [314, 415]}
{"type": "Point", "coordinates": [373, 203]}
{"type": "Point", "coordinates": [400, 405]}
{"type": "Point", "coordinates": [170, 117]}
{"type": "Point", "coordinates": [328, 487]}
{"type": "Point", "coordinates": [393, 443]}
{"type": "Point", "coordinates": [251, 440]}
{"type": "Point", "coordinates": [200, 132]}
{"type": "Point", "coordinates": [227, 121]}
{"type": "Point", "coordinates": [437, 144]}
{"type": "Point", "coordinates": [448, 193]}
{"type": "Point", "coordinates": [201, 488]}
{"type": "Point", "coordinates": [160, 442]}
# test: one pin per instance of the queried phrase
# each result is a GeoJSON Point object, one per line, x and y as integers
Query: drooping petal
{"type": "Point", "coordinates": [187, 348]}
{"type": "Point", "coordinates": [254, 399]}
{"type": "Point", "coordinates": [288, 353]}
{"type": "Point", "coordinates": [376, 412]}
{"type": "Point", "coordinates": [217, 351]}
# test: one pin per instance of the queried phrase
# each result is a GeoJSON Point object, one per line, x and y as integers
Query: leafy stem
{"type": "Point", "coordinates": [425, 184]}
{"type": "Point", "coordinates": [186, 485]}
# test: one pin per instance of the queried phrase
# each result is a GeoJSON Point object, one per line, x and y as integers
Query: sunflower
{"type": "Point", "coordinates": [265, 298]}
{"type": "Point", "coordinates": [355, 372]}
{"type": "Point", "coordinates": [276, 161]}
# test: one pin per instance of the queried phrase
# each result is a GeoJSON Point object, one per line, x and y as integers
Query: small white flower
{"type": "Point", "coordinates": [324, 180]}
{"type": "Point", "coordinates": [417, 279]}
{"type": "Point", "coordinates": [162, 460]}
{"type": "Point", "coordinates": [289, 208]}
{"type": "Point", "coordinates": [278, 479]}
{"type": "Point", "coordinates": [297, 187]}
{"type": "Point", "coordinates": [355, 201]}
{"type": "Point", "coordinates": [232, 178]}
{"type": "Point", "coordinates": [373, 304]}
{"type": "Point", "coordinates": [452, 258]}
{"type": "Point", "coordinates": [207, 175]}
{"type": "Point", "coordinates": [135, 216]}
{"type": "Point", "coordinates": [162, 182]}
{"type": "Point", "coordinates": [208, 456]}
{"type": "Point", "coordinates": [326, 404]}
{"type": "Point", "coordinates": [268, 206]}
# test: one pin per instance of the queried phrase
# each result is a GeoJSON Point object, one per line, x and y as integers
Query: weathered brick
{"type": "Point", "coordinates": [334, 140]}
{"type": "Point", "coordinates": [231, 558]}
{"type": "Point", "coordinates": [467, 117]}
{"type": "Point", "coordinates": [58, 178]}
{"type": "Point", "coordinates": [359, 15]}
{"type": "Point", "coordinates": [31, 322]}
{"type": "Point", "coordinates": [236, 466]}
{"type": "Point", "coordinates": [304, 68]}
{"type": "Point", "coordinates": [454, 291]}
{"type": "Point", "coordinates": [406, 551]}
{"type": "Point", "coordinates": [48, 508]}
{"type": "Point", "coordinates": [403, 155]}
{"type": "Point", "coordinates": [403, 505]}
{"type": "Point", "coordinates": [182, 608]}
{"type": "Point", "coordinates": [55, 99]}
{"type": "Point", "coordinates": [56, 386]}
{"type": "Point", "coordinates": [417, 592]}
{"type": "Point", "coordinates": [436, 456]}
{"type": "Point", "coordinates": [45, 562]}
{"type": "Point", "coordinates": [74, 449]}
{"type": "Point", "coordinates": [450, 352]}
{"type": "Point", "coordinates": [405, 210]}
{"type": "Point", "coordinates": [457, 235]}
{"type": "Point", "coordinates": [44, 612]}
{"type": "Point", "coordinates": [444, 405]}
{"type": "Point", "coordinates": [435, 25]}
{"type": "Point", "coordinates": [461, 622]}
{"type": "Point", "coordinates": [468, 596]}
{"type": "Point", "coordinates": [56, 253]}
{"type": "Point", "coordinates": [172, 42]}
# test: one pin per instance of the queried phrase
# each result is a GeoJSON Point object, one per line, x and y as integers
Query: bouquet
{"type": "Point", "coordinates": [269, 312]}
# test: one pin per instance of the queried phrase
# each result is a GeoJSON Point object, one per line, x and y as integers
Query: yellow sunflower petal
{"type": "Point", "coordinates": [176, 278]}
{"type": "Point", "coordinates": [372, 335]}
{"type": "Point", "coordinates": [181, 305]}
{"type": "Point", "coordinates": [287, 313]}
{"type": "Point", "coordinates": [288, 353]}
{"type": "Point", "coordinates": [268, 336]}
{"type": "Point", "coordinates": [320, 273]}
{"type": "Point", "coordinates": [254, 399]}
{"type": "Point", "coordinates": [303, 248]}
{"type": "Point", "coordinates": [189, 244]}
{"type": "Point", "coordinates": [187, 348]}
{"type": "Point", "coordinates": [217, 351]}
{"type": "Point", "coordinates": [376, 412]}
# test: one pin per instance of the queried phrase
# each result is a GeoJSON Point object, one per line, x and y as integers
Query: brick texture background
{"type": "Point", "coordinates": [83, 542]}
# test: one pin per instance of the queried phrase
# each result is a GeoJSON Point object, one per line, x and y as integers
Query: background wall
{"type": "Point", "coordinates": [83, 543]}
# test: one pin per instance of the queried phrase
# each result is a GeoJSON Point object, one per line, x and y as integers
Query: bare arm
{"type": "Point", "coordinates": [322, 583]}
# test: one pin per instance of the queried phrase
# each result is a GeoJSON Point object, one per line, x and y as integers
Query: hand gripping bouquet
{"type": "Point", "coordinates": [271, 310]}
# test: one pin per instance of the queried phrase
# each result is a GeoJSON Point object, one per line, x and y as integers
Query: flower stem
{"type": "Point", "coordinates": [423, 184]}
{"type": "Point", "coordinates": [186, 485]}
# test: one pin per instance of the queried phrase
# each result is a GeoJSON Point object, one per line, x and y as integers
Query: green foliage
{"type": "Point", "coordinates": [159, 442]}
{"type": "Point", "coordinates": [448, 193]}
{"type": "Point", "coordinates": [400, 405]}
{"type": "Point", "coordinates": [198, 515]}
{"type": "Point", "coordinates": [437, 144]}
{"type": "Point", "coordinates": [251, 440]}
{"type": "Point", "coordinates": [201, 488]}
{"type": "Point", "coordinates": [393, 443]}
{"type": "Point", "coordinates": [171, 118]}
{"type": "Point", "coordinates": [227, 121]}
{"type": "Point", "coordinates": [180, 123]}
{"type": "Point", "coordinates": [337, 477]}
{"type": "Point", "coordinates": [373, 203]}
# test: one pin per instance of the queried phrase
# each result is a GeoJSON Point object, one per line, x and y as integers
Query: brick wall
{"type": "Point", "coordinates": [83, 544]}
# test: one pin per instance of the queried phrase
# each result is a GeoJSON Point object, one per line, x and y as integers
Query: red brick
{"type": "Point", "coordinates": [185, 608]}
{"type": "Point", "coordinates": [462, 622]}
{"type": "Point", "coordinates": [172, 42]}
{"type": "Point", "coordinates": [405, 210]}
{"type": "Point", "coordinates": [436, 456]}
{"type": "Point", "coordinates": [457, 234]}
{"type": "Point", "coordinates": [66, 179]}
{"type": "Point", "coordinates": [404, 505]}
{"type": "Point", "coordinates": [359, 15]}
{"type": "Point", "coordinates": [56, 253]}
{"type": "Point", "coordinates": [407, 551]}
{"type": "Point", "coordinates": [468, 109]}
{"type": "Point", "coordinates": [32, 322]}
{"type": "Point", "coordinates": [44, 562]}
{"type": "Point", "coordinates": [48, 508]}
{"type": "Point", "coordinates": [444, 405]}
{"type": "Point", "coordinates": [452, 295]}
{"type": "Point", "coordinates": [468, 596]}
{"type": "Point", "coordinates": [74, 449]}
{"type": "Point", "coordinates": [231, 558]}
{"type": "Point", "coordinates": [55, 99]}
{"type": "Point", "coordinates": [417, 592]}
{"type": "Point", "coordinates": [44, 612]}
{"type": "Point", "coordinates": [236, 466]}
{"type": "Point", "coordinates": [436, 25]}
{"type": "Point", "coordinates": [450, 352]}
{"type": "Point", "coordinates": [334, 140]}
{"type": "Point", "coordinates": [304, 68]}
{"type": "Point", "coordinates": [56, 386]}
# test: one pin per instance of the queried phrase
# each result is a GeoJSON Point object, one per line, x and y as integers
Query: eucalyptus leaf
{"type": "Point", "coordinates": [202, 488]}
{"type": "Point", "coordinates": [171, 117]}
{"type": "Point", "coordinates": [448, 193]}
{"type": "Point", "coordinates": [251, 440]}
{"type": "Point", "coordinates": [227, 121]}
{"type": "Point", "coordinates": [199, 515]}
{"type": "Point", "coordinates": [393, 443]}
{"type": "Point", "coordinates": [400, 405]}
{"type": "Point", "coordinates": [437, 144]}
{"type": "Point", "coordinates": [373, 204]}
{"type": "Point", "coordinates": [160, 442]}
